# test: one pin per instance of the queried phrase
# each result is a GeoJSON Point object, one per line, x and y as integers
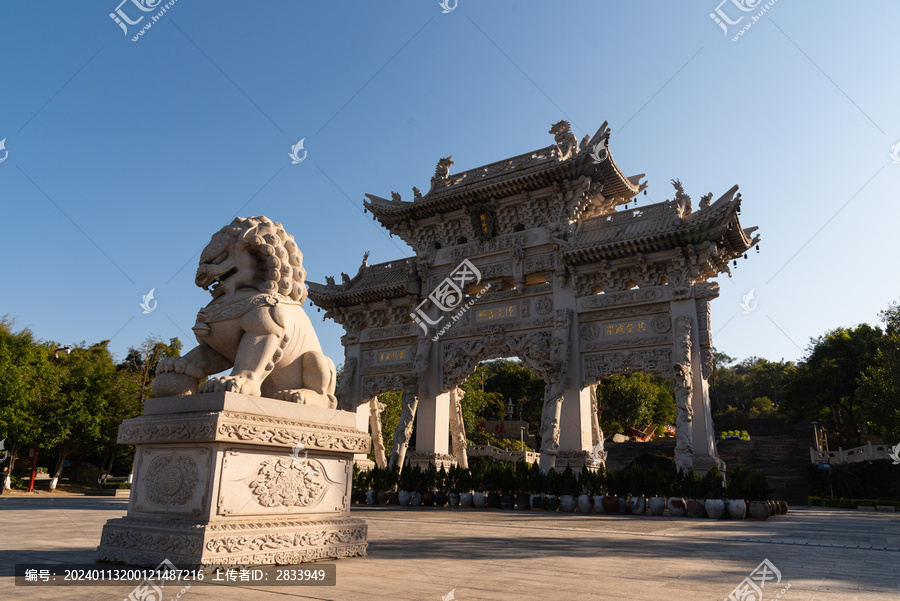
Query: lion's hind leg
{"type": "Point", "coordinates": [318, 381]}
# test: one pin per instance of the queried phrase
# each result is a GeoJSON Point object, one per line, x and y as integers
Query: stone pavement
{"type": "Point", "coordinates": [426, 553]}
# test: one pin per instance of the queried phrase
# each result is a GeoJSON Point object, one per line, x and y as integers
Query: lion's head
{"type": "Point", "coordinates": [252, 252]}
{"type": "Point", "coordinates": [561, 129]}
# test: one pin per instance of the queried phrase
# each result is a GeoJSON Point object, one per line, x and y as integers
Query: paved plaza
{"type": "Point", "coordinates": [426, 553]}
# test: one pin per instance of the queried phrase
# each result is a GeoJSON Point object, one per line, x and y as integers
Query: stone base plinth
{"type": "Point", "coordinates": [424, 459]}
{"type": "Point", "coordinates": [228, 479]}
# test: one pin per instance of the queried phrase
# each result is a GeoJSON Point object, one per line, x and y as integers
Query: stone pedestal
{"type": "Point", "coordinates": [225, 478]}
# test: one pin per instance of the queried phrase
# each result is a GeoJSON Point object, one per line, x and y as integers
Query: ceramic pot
{"type": "Point", "coordinates": [493, 500]}
{"type": "Point", "coordinates": [551, 503]}
{"type": "Point", "coordinates": [567, 503]}
{"type": "Point", "coordinates": [416, 499]}
{"type": "Point", "coordinates": [585, 504]}
{"type": "Point", "coordinates": [536, 501]}
{"type": "Point", "coordinates": [598, 504]}
{"type": "Point", "coordinates": [715, 508]}
{"type": "Point", "coordinates": [467, 499]}
{"type": "Point", "coordinates": [737, 508]}
{"type": "Point", "coordinates": [676, 506]}
{"type": "Point", "coordinates": [759, 510]}
{"type": "Point", "coordinates": [784, 507]}
{"type": "Point", "coordinates": [623, 505]}
{"type": "Point", "coordinates": [428, 498]}
{"type": "Point", "coordinates": [453, 499]}
{"type": "Point", "coordinates": [657, 505]}
{"type": "Point", "coordinates": [440, 499]}
{"type": "Point", "coordinates": [610, 504]}
{"type": "Point", "coordinates": [479, 500]}
{"type": "Point", "coordinates": [404, 497]}
{"type": "Point", "coordinates": [507, 501]}
{"type": "Point", "coordinates": [393, 497]}
{"type": "Point", "coordinates": [638, 505]}
{"type": "Point", "coordinates": [370, 497]}
{"type": "Point", "coordinates": [523, 501]}
{"type": "Point", "coordinates": [695, 508]}
{"type": "Point", "coordinates": [381, 498]}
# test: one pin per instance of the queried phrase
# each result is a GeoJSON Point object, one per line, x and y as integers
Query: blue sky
{"type": "Point", "coordinates": [124, 157]}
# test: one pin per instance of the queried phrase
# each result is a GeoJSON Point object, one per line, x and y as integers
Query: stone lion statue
{"type": "Point", "coordinates": [255, 324]}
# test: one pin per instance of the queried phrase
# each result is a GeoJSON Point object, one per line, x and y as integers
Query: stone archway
{"type": "Point", "coordinates": [537, 256]}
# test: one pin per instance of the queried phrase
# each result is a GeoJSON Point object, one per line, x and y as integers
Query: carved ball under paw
{"type": "Point", "coordinates": [173, 384]}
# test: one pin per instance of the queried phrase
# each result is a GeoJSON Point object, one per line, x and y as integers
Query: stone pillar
{"type": "Point", "coordinates": [458, 429]}
{"type": "Point", "coordinates": [402, 435]}
{"type": "Point", "coordinates": [432, 429]}
{"type": "Point", "coordinates": [375, 409]}
{"type": "Point", "coordinates": [224, 478]}
{"type": "Point", "coordinates": [693, 411]}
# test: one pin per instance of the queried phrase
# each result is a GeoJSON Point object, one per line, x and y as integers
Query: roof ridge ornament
{"type": "Point", "coordinates": [442, 173]}
{"type": "Point", "coordinates": [566, 142]}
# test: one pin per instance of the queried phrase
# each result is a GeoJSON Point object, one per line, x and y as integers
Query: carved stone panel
{"type": "Point", "coordinates": [655, 361]}
{"type": "Point", "coordinates": [172, 480]}
{"type": "Point", "coordinates": [626, 297]}
{"type": "Point", "coordinates": [256, 483]}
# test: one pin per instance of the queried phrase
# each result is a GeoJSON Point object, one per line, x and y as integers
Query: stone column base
{"type": "Point", "coordinates": [228, 479]}
{"type": "Point", "coordinates": [423, 459]}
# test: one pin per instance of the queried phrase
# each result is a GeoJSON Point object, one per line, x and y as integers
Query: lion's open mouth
{"type": "Point", "coordinates": [216, 283]}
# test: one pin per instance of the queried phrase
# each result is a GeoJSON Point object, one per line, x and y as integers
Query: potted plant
{"type": "Point", "coordinates": [493, 477]}
{"type": "Point", "coordinates": [657, 486]}
{"type": "Point", "coordinates": [417, 480]}
{"type": "Point", "coordinates": [584, 501]}
{"type": "Point", "coordinates": [736, 492]}
{"type": "Point", "coordinates": [610, 500]}
{"type": "Point", "coordinates": [637, 489]}
{"type": "Point", "coordinates": [760, 495]}
{"type": "Point", "coordinates": [693, 490]}
{"type": "Point", "coordinates": [405, 486]}
{"type": "Point", "coordinates": [441, 487]}
{"type": "Point", "coordinates": [675, 503]}
{"type": "Point", "coordinates": [714, 491]}
{"type": "Point", "coordinates": [551, 490]}
{"type": "Point", "coordinates": [597, 487]}
{"type": "Point", "coordinates": [466, 485]}
{"type": "Point", "coordinates": [507, 484]}
{"type": "Point", "coordinates": [568, 487]}
{"type": "Point", "coordinates": [536, 486]}
{"type": "Point", "coordinates": [391, 479]}
{"type": "Point", "coordinates": [522, 488]}
{"type": "Point", "coordinates": [479, 499]}
{"type": "Point", "coordinates": [452, 485]}
{"type": "Point", "coordinates": [429, 485]}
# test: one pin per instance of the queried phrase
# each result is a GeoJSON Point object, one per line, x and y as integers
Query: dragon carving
{"type": "Point", "coordinates": [566, 142]}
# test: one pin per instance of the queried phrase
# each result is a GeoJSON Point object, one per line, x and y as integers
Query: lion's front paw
{"type": "Point", "coordinates": [238, 384]}
{"type": "Point", "coordinates": [304, 396]}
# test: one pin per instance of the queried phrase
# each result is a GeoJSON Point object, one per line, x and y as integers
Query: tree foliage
{"type": "Point", "coordinates": [635, 400]}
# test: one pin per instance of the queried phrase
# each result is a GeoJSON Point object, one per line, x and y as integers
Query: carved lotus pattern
{"type": "Point", "coordinates": [289, 482]}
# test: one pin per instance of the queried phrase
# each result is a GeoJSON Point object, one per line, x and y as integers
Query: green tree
{"type": "Point", "coordinates": [636, 400]}
{"type": "Point", "coordinates": [73, 417]}
{"type": "Point", "coordinates": [878, 393]}
{"type": "Point", "coordinates": [27, 380]}
{"type": "Point", "coordinates": [824, 385]}
{"type": "Point", "coordinates": [131, 388]}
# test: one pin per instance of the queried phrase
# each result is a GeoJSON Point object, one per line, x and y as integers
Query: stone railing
{"type": "Point", "coordinates": [493, 452]}
{"type": "Point", "coordinates": [867, 452]}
